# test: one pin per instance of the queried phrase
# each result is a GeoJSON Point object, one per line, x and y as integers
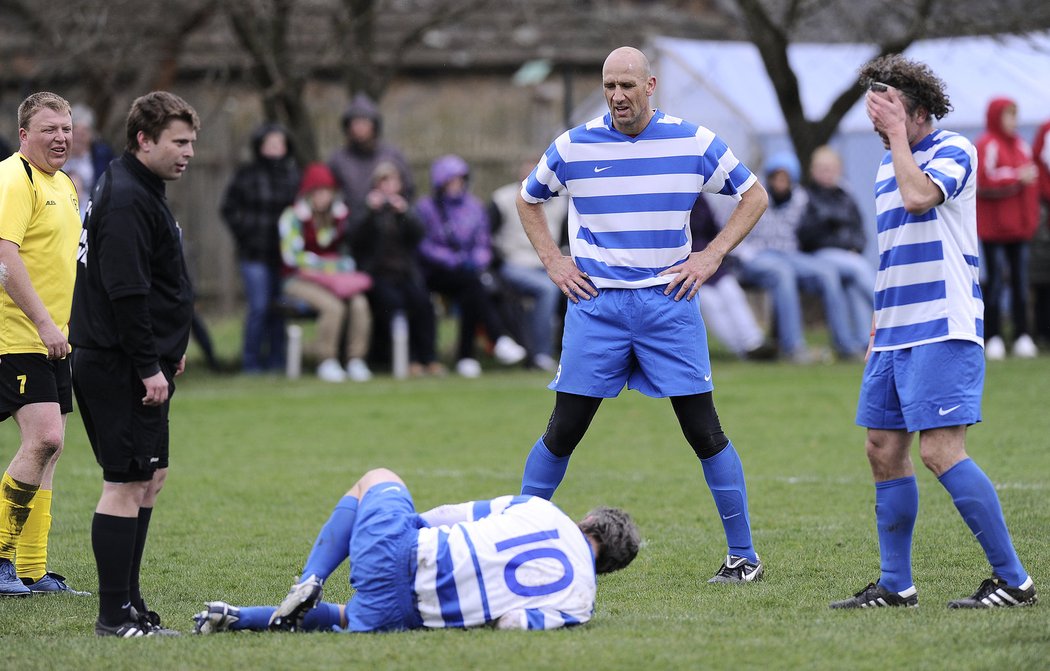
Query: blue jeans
{"type": "Point", "coordinates": [263, 326]}
{"type": "Point", "coordinates": [535, 283]}
{"type": "Point", "coordinates": [858, 281]}
{"type": "Point", "coordinates": [782, 274]}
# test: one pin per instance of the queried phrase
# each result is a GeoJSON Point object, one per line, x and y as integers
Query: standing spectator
{"type": "Point", "coordinates": [355, 162]}
{"type": "Point", "coordinates": [633, 176]}
{"type": "Point", "coordinates": [1007, 218]}
{"type": "Point", "coordinates": [771, 259]}
{"type": "Point", "coordinates": [38, 249]}
{"type": "Point", "coordinates": [925, 372]}
{"type": "Point", "coordinates": [1040, 261]}
{"type": "Point", "coordinates": [385, 237]}
{"type": "Point", "coordinates": [832, 229]}
{"type": "Point", "coordinates": [522, 270]}
{"type": "Point", "coordinates": [723, 302]}
{"type": "Point", "coordinates": [456, 253]}
{"type": "Point", "coordinates": [322, 273]}
{"type": "Point", "coordinates": [254, 200]}
{"type": "Point", "coordinates": [132, 311]}
{"type": "Point", "coordinates": [89, 155]}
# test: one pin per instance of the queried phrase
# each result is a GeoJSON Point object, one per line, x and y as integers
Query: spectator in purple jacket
{"type": "Point", "coordinates": [456, 252]}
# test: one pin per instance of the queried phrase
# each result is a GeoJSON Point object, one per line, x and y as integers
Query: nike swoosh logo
{"type": "Point", "coordinates": [393, 488]}
{"type": "Point", "coordinates": [707, 378]}
{"type": "Point", "coordinates": [729, 517]}
{"type": "Point", "coordinates": [944, 411]}
{"type": "Point", "coordinates": [597, 169]}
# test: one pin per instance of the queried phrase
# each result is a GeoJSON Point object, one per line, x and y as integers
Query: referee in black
{"type": "Point", "coordinates": [132, 309]}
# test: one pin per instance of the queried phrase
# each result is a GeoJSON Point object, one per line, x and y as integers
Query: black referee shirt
{"type": "Point", "coordinates": [132, 291]}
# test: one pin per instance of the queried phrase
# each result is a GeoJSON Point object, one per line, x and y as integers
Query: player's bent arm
{"type": "Point", "coordinates": [753, 203]}
{"type": "Point", "coordinates": [448, 514]}
{"type": "Point", "coordinates": [918, 192]}
{"type": "Point", "coordinates": [534, 221]}
{"type": "Point", "coordinates": [15, 280]}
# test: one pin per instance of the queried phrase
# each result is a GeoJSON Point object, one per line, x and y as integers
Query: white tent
{"type": "Point", "coordinates": [724, 86]}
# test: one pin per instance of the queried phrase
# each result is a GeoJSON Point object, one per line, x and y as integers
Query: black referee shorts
{"type": "Point", "coordinates": [33, 378]}
{"type": "Point", "coordinates": [129, 439]}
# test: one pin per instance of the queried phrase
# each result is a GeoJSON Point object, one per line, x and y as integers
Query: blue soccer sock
{"type": "Point", "coordinates": [257, 618]}
{"type": "Point", "coordinates": [896, 507]}
{"type": "Point", "coordinates": [974, 496]}
{"type": "Point", "coordinates": [725, 477]}
{"type": "Point", "coordinates": [332, 546]}
{"type": "Point", "coordinates": [543, 471]}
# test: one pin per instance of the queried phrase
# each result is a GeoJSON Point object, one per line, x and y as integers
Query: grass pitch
{"type": "Point", "coordinates": [258, 462]}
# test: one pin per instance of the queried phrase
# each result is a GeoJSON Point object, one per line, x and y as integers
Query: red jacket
{"type": "Point", "coordinates": [1007, 210]}
{"type": "Point", "coordinates": [1041, 154]}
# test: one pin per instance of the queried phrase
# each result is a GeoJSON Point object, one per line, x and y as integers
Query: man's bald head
{"type": "Point", "coordinates": [628, 59]}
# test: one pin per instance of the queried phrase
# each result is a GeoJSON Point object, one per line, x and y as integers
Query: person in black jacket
{"type": "Point", "coordinates": [251, 206]}
{"type": "Point", "coordinates": [132, 310]}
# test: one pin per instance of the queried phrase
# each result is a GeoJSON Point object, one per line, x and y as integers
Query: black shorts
{"type": "Point", "coordinates": [33, 378]}
{"type": "Point", "coordinates": [129, 439]}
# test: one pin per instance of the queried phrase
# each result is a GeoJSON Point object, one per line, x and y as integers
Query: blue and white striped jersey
{"type": "Point", "coordinates": [631, 196]}
{"type": "Point", "coordinates": [927, 288]}
{"type": "Point", "coordinates": [518, 562]}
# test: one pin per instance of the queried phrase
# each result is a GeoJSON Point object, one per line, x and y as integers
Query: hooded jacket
{"type": "Point", "coordinates": [1041, 154]}
{"type": "Point", "coordinates": [1007, 210]}
{"type": "Point", "coordinates": [256, 196]}
{"type": "Point", "coordinates": [353, 164]}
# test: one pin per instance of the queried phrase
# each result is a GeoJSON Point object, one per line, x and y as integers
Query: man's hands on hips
{"type": "Point", "coordinates": [573, 282]}
{"type": "Point", "coordinates": [691, 273]}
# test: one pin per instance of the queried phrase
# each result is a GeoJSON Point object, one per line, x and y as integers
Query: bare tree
{"type": "Point", "coordinates": [892, 25]}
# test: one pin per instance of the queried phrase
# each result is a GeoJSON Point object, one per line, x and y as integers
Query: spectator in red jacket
{"type": "Point", "coordinates": [1007, 217]}
{"type": "Point", "coordinates": [1040, 259]}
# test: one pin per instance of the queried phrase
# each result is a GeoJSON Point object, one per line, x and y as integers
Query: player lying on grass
{"type": "Point", "coordinates": [516, 562]}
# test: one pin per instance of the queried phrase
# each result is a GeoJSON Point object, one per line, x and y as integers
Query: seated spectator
{"type": "Point", "coordinates": [253, 202]}
{"type": "Point", "coordinates": [322, 273]}
{"type": "Point", "coordinates": [723, 303]}
{"type": "Point", "coordinates": [385, 237]}
{"type": "Point", "coordinates": [832, 229]}
{"type": "Point", "coordinates": [520, 267]}
{"type": "Point", "coordinates": [770, 259]}
{"type": "Point", "coordinates": [456, 252]}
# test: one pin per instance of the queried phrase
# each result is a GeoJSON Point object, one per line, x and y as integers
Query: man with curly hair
{"type": "Point", "coordinates": [925, 369]}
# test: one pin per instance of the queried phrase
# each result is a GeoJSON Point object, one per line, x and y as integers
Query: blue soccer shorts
{"type": "Point", "coordinates": [383, 561]}
{"type": "Point", "coordinates": [924, 387]}
{"type": "Point", "coordinates": [637, 337]}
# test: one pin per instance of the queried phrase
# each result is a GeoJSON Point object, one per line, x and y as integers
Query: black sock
{"type": "Point", "coordinates": [134, 592]}
{"type": "Point", "coordinates": [113, 542]}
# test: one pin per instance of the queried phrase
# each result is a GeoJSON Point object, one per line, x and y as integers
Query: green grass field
{"type": "Point", "coordinates": [258, 462]}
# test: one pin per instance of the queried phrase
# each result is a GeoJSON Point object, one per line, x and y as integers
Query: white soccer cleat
{"type": "Point", "coordinates": [303, 596]}
{"type": "Point", "coordinates": [217, 616]}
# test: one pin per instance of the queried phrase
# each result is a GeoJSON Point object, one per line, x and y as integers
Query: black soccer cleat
{"type": "Point", "coordinates": [877, 596]}
{"type": "Point", "coordinates": [737, 569]}
{"type": "Point", "coordinates": [995, 593]}
{"type": "Point", "coordinates": [217, 616]}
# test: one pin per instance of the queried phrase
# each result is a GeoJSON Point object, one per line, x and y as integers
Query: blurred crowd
{"type": "Point", "coordinates": [354, 245]}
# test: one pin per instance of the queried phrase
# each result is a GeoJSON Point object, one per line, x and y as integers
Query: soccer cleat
{"type": "Point", "coordinates": [52, 583]}
{"type": "Point", "coordinates": [877, 596]}
{"type": "Point", "coordinates": [738, 569]}
{"type": "Point", "coordinates": [303, 596]}
{"type": "Point", "coordinates": [129, 629]}
{"type": "Point", "coordinates": [217, 616]}
{"type": "Point", "coordinates": [151, 622]}
{"type": "Point", "coordinates": [995, 593]}
{"type": "Point", "coordinates": [10, 585]}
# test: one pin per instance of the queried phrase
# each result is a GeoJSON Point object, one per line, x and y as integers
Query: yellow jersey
{"type": "Point", "coordinates": [39, 213]}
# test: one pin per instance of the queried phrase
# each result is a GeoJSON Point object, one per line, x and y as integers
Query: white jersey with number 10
{"type": "Point", "coordinates": [516, 561]}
